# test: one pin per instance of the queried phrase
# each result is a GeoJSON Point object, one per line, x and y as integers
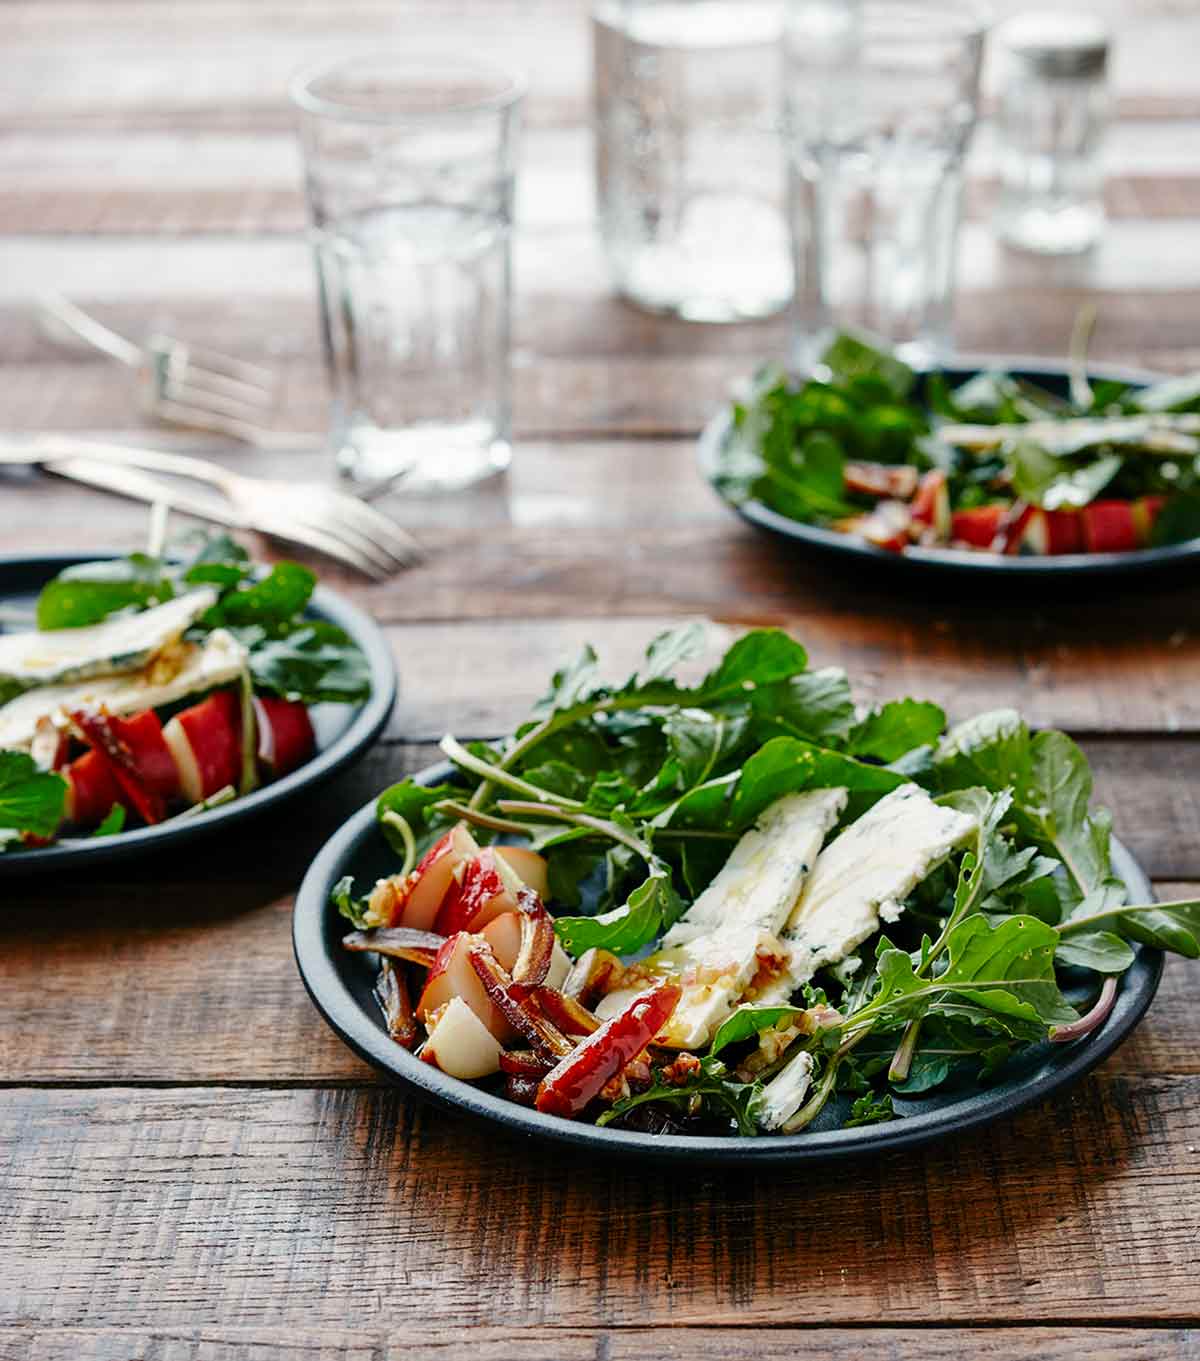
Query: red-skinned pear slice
{"type": "Point", "coordinates": [460, 1044]}
{"type": "Point", "coordinates": [483, 888]}
{"type": "Point", "coordinates": [205, 741]}
{"type": "Point", "coordinates": [451, 975]}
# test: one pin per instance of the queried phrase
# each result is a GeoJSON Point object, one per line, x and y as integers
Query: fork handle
{"type": "Point", "coordinates": [55, 307]}
{"type": "Point", "coordinates": [150, 460]}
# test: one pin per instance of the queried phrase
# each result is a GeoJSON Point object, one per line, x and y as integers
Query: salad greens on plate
{"type": "Point", "coordinates": [711, 906]}
{"type": "Point", "coordinates": [153, 687]}
{"type": "Point", "coordinates": [867, 446]}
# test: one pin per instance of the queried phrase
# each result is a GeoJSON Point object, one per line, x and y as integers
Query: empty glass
{"type": "Point", "coordinates": [689, 178]}
{"type": "Point", "coordinates": [409, 166]}
{"type": "Point", "coordinates": [881, 98]}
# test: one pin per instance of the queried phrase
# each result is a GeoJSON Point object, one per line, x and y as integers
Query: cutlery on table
{"type": "Point", "coordinates": [182, 385]}
{"type": "Point", "coordinates": [308, 513]}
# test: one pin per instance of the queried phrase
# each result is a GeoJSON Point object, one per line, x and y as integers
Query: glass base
{"type": "Point", "coordinates": [1067, 229]}
{"type": "Point", "coordinates": [422, 459]}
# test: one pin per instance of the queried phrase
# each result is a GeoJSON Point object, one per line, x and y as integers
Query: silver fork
{"type": "Point", "coordinates": [158, 492]}
{"type": "Point", "coordinates": [264, 503]}
{"type": "Point", "coordinates": [182, 385]}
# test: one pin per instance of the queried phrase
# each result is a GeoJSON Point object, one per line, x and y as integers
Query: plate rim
{"type": "Point", "coordinates": [715, 430]}
{"type": "Point", "coordinates": [363, 1035]}
{"type": "Point", "coordinates": [366, 725]}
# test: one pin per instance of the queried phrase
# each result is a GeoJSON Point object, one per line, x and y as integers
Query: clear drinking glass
{"type": "Point", "coordinates": [409, 165]}
{"type": "Point", "coordinates": [881, 98]}
{"type": "Point", "coordinates": [689, 177]}
{"type": "Point", "coordinates": [1050, 122]}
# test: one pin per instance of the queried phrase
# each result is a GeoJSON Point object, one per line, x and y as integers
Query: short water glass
{"type": "Point", "coordinates": [881, 99]}
{"type": "Point", "coordinates": [689, 177]}
{"type": "Point", "coordinates": [409, 165]}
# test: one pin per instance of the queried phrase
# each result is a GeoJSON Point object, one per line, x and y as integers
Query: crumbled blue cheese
{"type": "Point", "coordinates": [125, 643]}
{"type": "Point", "coordinates": [863, 877]}
{"type": "Point", "coordinates": [783, 1096]}
{"type": "Point", "coordinates": [718, 947]}
{"type": "Point", "coordinates": [179, 670]}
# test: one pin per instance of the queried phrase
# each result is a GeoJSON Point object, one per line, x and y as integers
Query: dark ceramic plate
{"type": "Point", "coordinates": [340, 984]}
{"type": "Point", "coordinates": [343, 731]}
{"type": "Point", "coordinates": [949, 561]}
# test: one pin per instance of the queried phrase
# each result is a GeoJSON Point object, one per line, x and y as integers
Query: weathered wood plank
{"type": "Point", "coordinates": [151, 63]}
{"type": "Point", "coordinates": [559, 260]}
{"type": "Point", "coordinates": [178, 210]}
{"type": "Point", "coordinates": [145, 1209]}
{"type": "Point", "coordinates": [599, 554]}
{"type": "Point", "coordinates": [550, 1343]}
{"type": "Point", "coordinates": [1055, 674]}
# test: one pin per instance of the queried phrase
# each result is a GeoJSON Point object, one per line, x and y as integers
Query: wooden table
{"type": "Point", "coordinates": [193, 1166]}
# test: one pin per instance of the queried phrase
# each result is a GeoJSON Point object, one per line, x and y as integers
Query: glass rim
{"type": "Point", "coordinates": [513, 87]}
{"type": "Point", "coordinates": [957, 18]}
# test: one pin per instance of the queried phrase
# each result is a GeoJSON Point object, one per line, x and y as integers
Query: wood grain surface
{"type": "Point", "coordinates": [192, 1166]}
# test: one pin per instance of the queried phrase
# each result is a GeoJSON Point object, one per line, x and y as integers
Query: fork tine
{"type": "Point", "coordinates": [295, 531]}
{"type": "Point", "coordinates": [256, 375]}
{"type": "Point", "coordinates": [379, 527]}
{"type": "Point", "coordinates": [188, 375]}
{"type": "Point", "coordinates": [190, 393]}
{"type": "Point", "coordinates": [325, 523]}
{"type": "Point", "coordinates": [199, 418]}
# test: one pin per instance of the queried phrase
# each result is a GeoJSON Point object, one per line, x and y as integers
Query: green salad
{"type": "Point", "coordinates": [714, 906]}
{"type": "Point", "coordinates": [998, 464]}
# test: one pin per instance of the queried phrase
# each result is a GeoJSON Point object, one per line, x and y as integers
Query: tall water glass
{"type": "Point", "coordinates": [881, 98]}
{"type": "Point", "coordinates": [689, 178]}
{"type": "Point", "coordinates": [409, 165]}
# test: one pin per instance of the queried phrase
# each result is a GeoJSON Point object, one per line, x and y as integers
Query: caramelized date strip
{"type": "Point", "coordinates": [398, 942]}
{"type": "Point", "coordinates": [523, 1016]}
{"type": "Point", "coordinates": [391, 992]}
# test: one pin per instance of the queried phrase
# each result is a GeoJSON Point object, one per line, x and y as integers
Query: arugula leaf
{"type": "Point", "coordinates": [700, 742]}
{"type": "Point", "coordinates": [1102, 951]}
{"type": "Point", "coordinates": [787, 765]}
{"type": "Point", "coordinates": [271, 603]}
{"type": "Point", "coordinates": [90, 591]}
{"type": "Point", "coordinates": [849, 356]}
{"type": "Point", "coordinates": [747, 1021]}
{"type": "Point", "coordinates": [651, 908]}
{"type": "Point", "coordinates": [1055, 483]}
{"type": "Point", "coordinates": [414, 803]}
{"type": "Point", "coordinates": [316, 662]}
{"type": "Point", "coordinates": [1166, 926]}
{"type": "Point", "coordinates": [810, 484]}
{"type": "Point", "coordinates": [1051, 784]}
{"type": "Point", "coordinates": [1008, 969]}
{"type": "Point", "coordinates": [990, 749]}
{"type": "Point", "coordinates": [816, 705]}
{"type": "Point", "coordinates": [31, 800]}
{"type": "Point", "coordinates": [114, 822]}
{"type": "Point", "coordinates": [869, 1109]}
{"type": "Point", "coordinates": [352, 908]}
{"type": "Point", "coordinates": [893, 730]}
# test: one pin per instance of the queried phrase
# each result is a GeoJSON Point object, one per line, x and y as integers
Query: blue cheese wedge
{"type": "Point", "coordinates": [115, 647]}
{"type": "Point", "coordinates": [721, 944]}
{"type": "Point", "coordinates": [783, 1096]}
{"type": "Point", "coordinates": [863, 877]}
{"type": "Point", "coordinates": [179, 670]}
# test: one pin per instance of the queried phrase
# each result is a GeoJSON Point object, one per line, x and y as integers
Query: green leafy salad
{"type": "Point", "coordinates": [716, 906]}
{"type": "Point", "coordinates": [150, 687]}
{"type": "Point", "coordinates": [998, 464]}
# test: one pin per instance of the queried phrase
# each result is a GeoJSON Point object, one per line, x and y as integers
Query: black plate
{"type": "Point", "coordinates": [340, 985]}
{"type": "Point", "coordinates": [343, 731]}
{"type": "Point", "coordinates": [950, 561]}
